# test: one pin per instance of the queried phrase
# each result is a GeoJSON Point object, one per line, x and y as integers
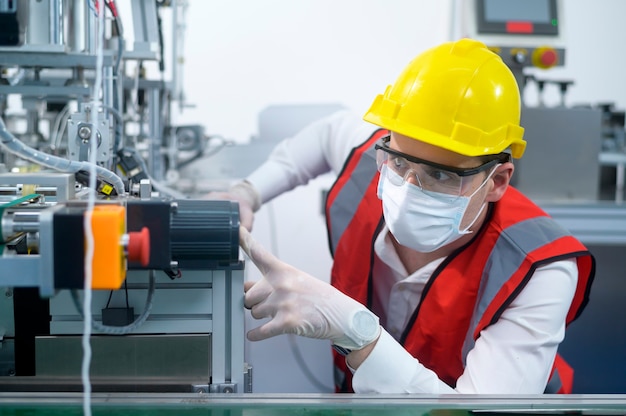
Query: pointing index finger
{"type": "Point", "coordinates": [262, 258]}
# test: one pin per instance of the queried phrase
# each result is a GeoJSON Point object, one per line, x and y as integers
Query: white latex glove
{"type": "Point", "coordinates": [247, 197]}
{"type": "Point", "coordinates": [300, 304]}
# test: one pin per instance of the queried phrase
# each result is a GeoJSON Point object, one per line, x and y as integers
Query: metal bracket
{"type": "Point", "coordinates": [200, 388]}
{"type": "Point", "coordinates": [215, 388]}
{"type": "Point", "coordinates": [223, 388]}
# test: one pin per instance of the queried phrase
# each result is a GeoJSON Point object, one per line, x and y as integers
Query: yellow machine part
{"type": "Point", "coordinates": [108, 224]}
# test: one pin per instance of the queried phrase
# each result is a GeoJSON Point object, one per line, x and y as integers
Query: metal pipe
{"type": "Point", "coordinates": [155, 131]}
{"type": "Point", "coordinates": [77, 26]}
{"type": "Point", "coordinates": [56, 22]}
{"type": "Point", "coordinates": [91, 31]}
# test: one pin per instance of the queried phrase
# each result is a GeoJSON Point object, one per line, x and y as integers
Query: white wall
{"type": "Point", "coordinates": [243, 55]}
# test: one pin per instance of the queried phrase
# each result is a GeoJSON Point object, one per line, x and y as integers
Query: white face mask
{"type": "Point", "coordinates": [423, 220]}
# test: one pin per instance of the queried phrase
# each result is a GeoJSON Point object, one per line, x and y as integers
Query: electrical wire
{"type": "Point", "coordinates": [119, 127]}
{"type": "Point", "coordinates": [160, 187]}
{"type": "Point", "coordinates": [117, 74]}
{"type": "Point", "coordinates": [92, 6]}
{"type": "Point", "coordinates": [126, 329]}
{"type": "Point", "coordinates": [56, 132]}
{"type": "Point", "coordinates": [125, 291]}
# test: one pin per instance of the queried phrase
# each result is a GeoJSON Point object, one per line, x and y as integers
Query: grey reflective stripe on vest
{"type": "Point", "coordinates": [506, 258]}
{"type": "Point", "coordinates": [554, 384]}
{"type": "Point", "coordinates": [346, 203]}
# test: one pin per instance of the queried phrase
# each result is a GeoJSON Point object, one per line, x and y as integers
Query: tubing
{"type": "Point", "coordinates": [15, 146]}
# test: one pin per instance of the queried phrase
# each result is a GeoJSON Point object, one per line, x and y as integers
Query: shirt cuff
{"type": "Point", "coordinates": [391, 369]}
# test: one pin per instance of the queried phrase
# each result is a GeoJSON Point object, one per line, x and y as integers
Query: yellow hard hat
{"type": "Point", "coordinates": [459, 96]}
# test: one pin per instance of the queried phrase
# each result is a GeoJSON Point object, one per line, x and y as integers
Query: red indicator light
{"type": "Point", "coordinates": [519, 27]}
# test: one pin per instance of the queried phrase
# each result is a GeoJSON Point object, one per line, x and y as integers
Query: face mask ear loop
{"type": "Point", "coordinates": [486, 179]}
{"type": "Point", "coordinates": [466, 230]}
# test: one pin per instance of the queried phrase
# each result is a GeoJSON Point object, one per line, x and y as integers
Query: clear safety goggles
{"type": "Point", "coordinates": [429, 176]}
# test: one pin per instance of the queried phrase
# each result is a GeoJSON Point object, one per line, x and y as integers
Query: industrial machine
{"type": "Point", "coordinates": [91, 232]}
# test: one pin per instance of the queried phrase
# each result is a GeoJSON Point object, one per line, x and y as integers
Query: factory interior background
{"type": "Point", "coordinates": [253, 72]}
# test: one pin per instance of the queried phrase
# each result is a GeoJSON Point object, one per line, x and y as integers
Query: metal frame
{"type": "Point", "coordinates": [327, 403]}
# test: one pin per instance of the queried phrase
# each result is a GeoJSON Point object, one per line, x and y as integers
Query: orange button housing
{"type": "Point", "coordinates": [108, 223]}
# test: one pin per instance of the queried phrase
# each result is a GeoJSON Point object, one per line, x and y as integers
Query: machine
{"type": "Point", "coordinates": [91, 231]}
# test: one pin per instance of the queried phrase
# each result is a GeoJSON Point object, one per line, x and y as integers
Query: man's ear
{"type": "Point", "coordinates": [500, 180]}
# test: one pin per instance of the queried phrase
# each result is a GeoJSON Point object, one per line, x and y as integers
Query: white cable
{"type": "Point", "coordinates": [166, 190]}
{"type": "Point", "coordinates": [55, 132]}
{"type": "Point", "coordinates": [89, 237]}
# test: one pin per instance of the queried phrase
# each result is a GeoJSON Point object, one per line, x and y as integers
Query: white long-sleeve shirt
{"type": "Point", "coordinates": [512, 356]}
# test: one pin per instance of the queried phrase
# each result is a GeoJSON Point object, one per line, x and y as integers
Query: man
{"type": "Point", "coordinates": [445, 279]}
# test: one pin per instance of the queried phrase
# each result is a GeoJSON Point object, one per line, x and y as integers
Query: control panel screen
{"type": "Point", "coordinates": [517, 17]}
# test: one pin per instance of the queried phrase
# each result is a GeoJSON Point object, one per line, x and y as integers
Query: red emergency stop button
{"type": "Point", "coordinates": [545, 57]}
{"type": "Point", "coordinates": [139, 246]}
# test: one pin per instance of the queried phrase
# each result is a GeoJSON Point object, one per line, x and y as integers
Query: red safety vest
{"type": "Point", "coordinates": [439, 336]}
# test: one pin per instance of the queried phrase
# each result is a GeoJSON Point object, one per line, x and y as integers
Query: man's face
{"type": "Point", "coordinates": [439, 156]}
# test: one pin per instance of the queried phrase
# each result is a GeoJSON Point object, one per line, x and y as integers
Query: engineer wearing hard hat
{"type": "Point", "coordinates": [445, 279]}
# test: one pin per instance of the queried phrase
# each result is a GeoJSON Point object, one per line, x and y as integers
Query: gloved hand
{"type": "Point", "coordinates": [248, 198]}
{"type": "Point", "coordinates": [300, 304]}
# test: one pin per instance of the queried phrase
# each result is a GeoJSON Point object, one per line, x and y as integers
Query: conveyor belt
{"type": "Point", "coordinates": [34, 404]}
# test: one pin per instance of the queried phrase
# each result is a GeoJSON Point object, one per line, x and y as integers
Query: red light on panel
{"type": "Point", "coordinates": [519, 27]}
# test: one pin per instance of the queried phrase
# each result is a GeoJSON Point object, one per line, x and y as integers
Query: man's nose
{"type": "Point", "coordinates": [411, 177]}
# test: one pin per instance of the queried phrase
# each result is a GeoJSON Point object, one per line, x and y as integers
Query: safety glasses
{"type": "Point", "coordinates": [429, 176]}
